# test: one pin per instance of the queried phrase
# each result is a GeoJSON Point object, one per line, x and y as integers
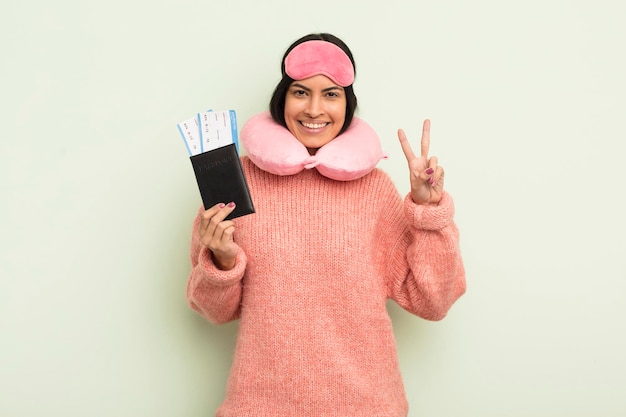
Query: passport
{"type": "Point", "coordinates": [220, 179]}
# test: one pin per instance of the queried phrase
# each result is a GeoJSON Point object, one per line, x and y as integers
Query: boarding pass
{"type": "Point", "coordinates": [209, 130]}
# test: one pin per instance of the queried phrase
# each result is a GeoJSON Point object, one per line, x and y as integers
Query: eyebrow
{"type": "Point", "coordinates": [304, 87]}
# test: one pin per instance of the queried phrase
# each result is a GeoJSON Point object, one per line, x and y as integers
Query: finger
{"type": "Point", "coordinates": [440, 173]}
{"type": "Point", "coordinates": [229, 231]}
{"type": "Point", "coordinates": [215, 233]}
{"type": "Point", "coordinates": [429, 175]}
{"type": "Point", "coordinates": [436, 177]}
{"type": "Point", "coordinates": [223, 233]}
{"type": "Point", "coordinates": [221, 237]}
{"type": "Point", "coordinates": [430, 171]}
{"type": "Point", "coordinates": [221, 214]}
{"type": "Point", "coordinates": [214, 216]}
{"type": "Point", "coordinates": [406, 147]}
{"type": "Point", "coordinates": [433, 162]}
{"type": "Point", "coordinates": [207, 215]}
{"type": "Point", "coordinates": [426, 138]}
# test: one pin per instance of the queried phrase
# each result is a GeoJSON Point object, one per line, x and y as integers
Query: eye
{"type": "Point", "coordinates": [333, 93]}
{"type": "Point", "coordinates": [298, 92]}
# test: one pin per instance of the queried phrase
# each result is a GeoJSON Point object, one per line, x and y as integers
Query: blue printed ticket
{"type": "Point", "coordinates": [209, 130]}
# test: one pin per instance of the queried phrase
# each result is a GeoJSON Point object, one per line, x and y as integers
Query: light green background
{"type": "Point", "coordinates": [527, 101]}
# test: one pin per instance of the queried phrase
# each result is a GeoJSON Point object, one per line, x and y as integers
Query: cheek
{"type": "Point", "coordinates": [292, 106]}
{"type": "Point", "coordinates": [340, 114]}
{"type": "Point", "coordinates": [339, 109]}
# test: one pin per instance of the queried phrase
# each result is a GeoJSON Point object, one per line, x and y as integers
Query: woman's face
{"type": "Point", "coordinates": [315, 110]}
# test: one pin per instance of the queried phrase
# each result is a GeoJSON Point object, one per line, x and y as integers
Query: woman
{"type": "Point", "coordinates": [310, 272]}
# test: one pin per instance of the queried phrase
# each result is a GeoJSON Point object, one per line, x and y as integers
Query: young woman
{"type": "Point", "coordinates": [332, 240]}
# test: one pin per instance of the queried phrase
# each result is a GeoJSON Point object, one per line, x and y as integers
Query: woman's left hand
{"type": "Point", "coordinates": [425, 172]}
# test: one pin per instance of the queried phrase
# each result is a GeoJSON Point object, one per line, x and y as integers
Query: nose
{"type": "Point", "coordinates": [314, 107]}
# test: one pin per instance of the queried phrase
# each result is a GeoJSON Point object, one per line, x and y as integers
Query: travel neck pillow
{"type": "Point", "coordinates": [349, 156]}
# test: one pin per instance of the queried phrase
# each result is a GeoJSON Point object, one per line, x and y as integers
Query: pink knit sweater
{"type": "Point", "coordinates": [318, 261]}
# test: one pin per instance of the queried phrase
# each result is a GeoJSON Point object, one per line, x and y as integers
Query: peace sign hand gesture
{"type": "Point", "coordinates": [426, 175]}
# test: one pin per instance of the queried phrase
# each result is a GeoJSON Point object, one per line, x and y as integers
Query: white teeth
{"type": "Point", "coordinates": [314, 125]}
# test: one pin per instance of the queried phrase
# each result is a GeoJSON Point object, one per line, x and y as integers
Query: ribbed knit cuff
{"type": "Point", "coordinates": [426, 217]}
{"type": "Point", "coordinates": [220, 277]}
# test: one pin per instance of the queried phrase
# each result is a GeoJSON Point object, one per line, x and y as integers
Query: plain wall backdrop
{"type": "Point", "coordinates": [527, 102]}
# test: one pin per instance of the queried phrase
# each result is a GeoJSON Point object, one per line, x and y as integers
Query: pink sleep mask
{"type": "Point", "coordinates": [320, 57]}
{"type": "Point", "coordinates": [349, 156]}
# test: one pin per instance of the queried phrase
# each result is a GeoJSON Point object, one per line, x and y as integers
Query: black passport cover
{"type": "Point", "coordinates": [221, 180]}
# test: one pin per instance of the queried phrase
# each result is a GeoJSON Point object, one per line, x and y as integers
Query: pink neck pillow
{"type": "Point", "coordinates": [274, 149]}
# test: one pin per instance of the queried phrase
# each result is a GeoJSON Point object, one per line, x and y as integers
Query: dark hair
{"type": "Point", "coordinates": [277, 103]}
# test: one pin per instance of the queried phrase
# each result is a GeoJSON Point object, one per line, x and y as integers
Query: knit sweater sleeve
{"type": "Point", "coordinates": [214, 293]}
{"type": "Point", "coordinates": [424, 269]}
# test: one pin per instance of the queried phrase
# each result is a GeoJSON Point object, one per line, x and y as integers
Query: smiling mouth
{"type": "Point", "coordinates": [314, 125]}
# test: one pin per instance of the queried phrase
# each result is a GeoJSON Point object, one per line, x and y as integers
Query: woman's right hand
{"type": "Point", "coordinates": [217, 235]}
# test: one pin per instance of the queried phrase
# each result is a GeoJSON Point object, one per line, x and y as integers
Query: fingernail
{"type": "Point", "coordinates": [431, 180]}
{"type": "Point", "coordinates": [430, 171]}
{"type": "Point", "coordinates": [231, 204]}
{"type": "Point", "coordinates": [222, 205]}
